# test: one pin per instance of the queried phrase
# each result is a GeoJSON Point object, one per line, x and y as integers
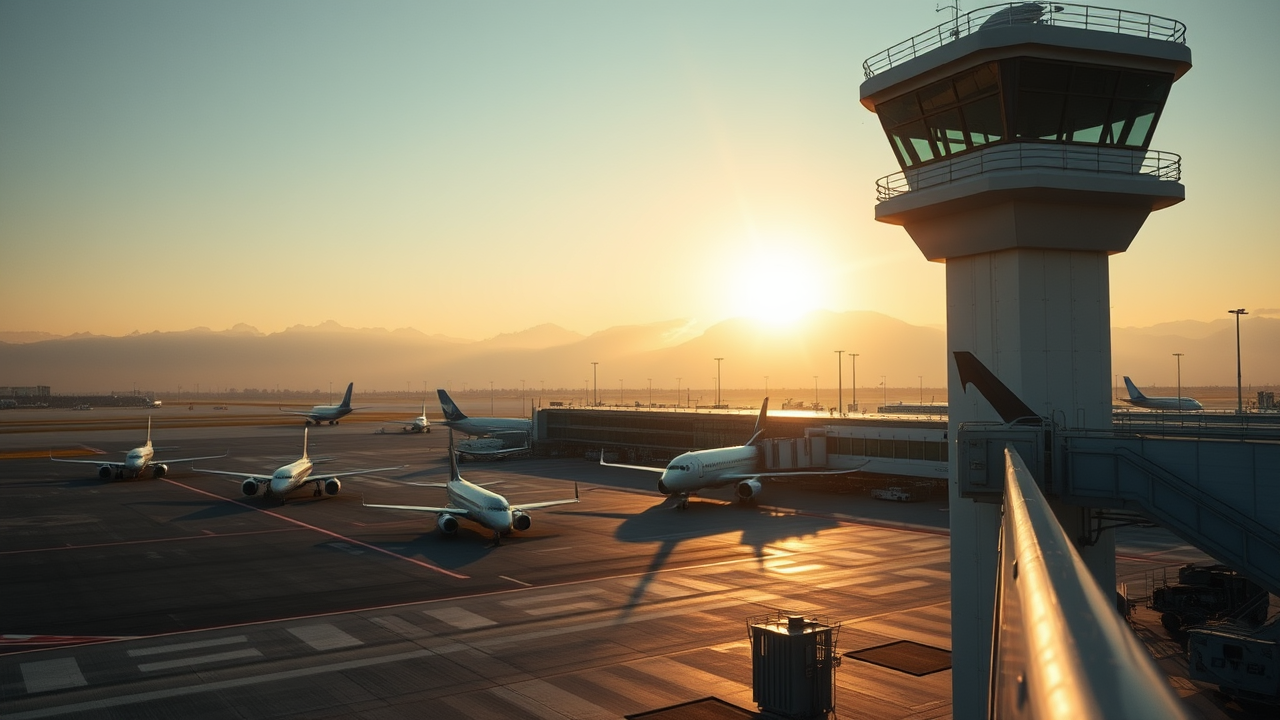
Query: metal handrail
{"type": "Point", "coordinates": [1155, 164]}
{"type": "Point", "coordinates": [1087, 17]}
{"type": "Point", "coordinates": [1060, 649]}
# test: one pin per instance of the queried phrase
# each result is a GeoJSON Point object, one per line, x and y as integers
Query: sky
{"type": "Point", "coordinates": [475, 168]}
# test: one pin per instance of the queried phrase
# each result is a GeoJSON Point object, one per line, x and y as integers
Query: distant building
{"type": "Point", "coordinates": [32, 391]}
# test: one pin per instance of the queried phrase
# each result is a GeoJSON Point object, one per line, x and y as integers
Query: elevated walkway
{"type": "Point", "coordinates": [1223, 496]}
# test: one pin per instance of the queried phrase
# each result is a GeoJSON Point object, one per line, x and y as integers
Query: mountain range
{"type": "Point", "coordinates": [662, 353]}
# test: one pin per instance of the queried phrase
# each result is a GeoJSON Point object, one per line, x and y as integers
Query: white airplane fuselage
{"type": "Point", "coordinates": [476, 427]}
{"type": "Point", "coordinates": [1165, 403]}
{"type": "Point", "coordinates": [139, 458]}
{"type": "Point", "coordinates": [290, 477]}
{"type": "Point", "coordinates": [702, 469]}
{"type": "Point", "coordinates": [329, 413]}
{"type": "Point", "coordinates": [484, 506]}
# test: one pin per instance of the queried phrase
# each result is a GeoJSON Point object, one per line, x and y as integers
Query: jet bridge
{"type": "Point", "coordinates": [1223, 496]}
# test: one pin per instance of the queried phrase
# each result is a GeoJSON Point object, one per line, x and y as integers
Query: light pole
{"type": "Point", "coordinates": [921, 388]}
{"type": "Point", "coordinates": [840, 382]}
{"type": "Point", "coordinates": [1179, 356]}
{"type": "Point", "coordinates": [766, 386]}
{"type": "Point", "coordinates": [815, 393]}
{"type": "Point", "coordinates": [718, 380]}
{"type": "Point", "coordinates": [884, 383]}
{"type": "Point", "coordinates": [853, 379]}
{"type": "Point", "coordinates": [619, 392]}
{"type": "Point", "coordinates": [1239, 384]}
{"type": "Point", "coordinates": [677, 392]}
{"type": "Point", "coordinates": [522, 396]}
{"type": "Point", "coordinates": [650, 393]}
{"type": "Point", "coordinates": [594, 396]}
{"type": "Point", "coordinates": [490, 398]}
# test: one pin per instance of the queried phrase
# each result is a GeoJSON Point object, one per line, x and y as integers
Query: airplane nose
{"type": "Point", "coordinates": [662, 487]}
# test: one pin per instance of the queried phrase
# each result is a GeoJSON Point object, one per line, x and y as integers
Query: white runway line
{"type": "Point", "coordinates": [182, 647]}
{"type": "Point", "coordinates": [460, 618]}
{"type": "Point", "coordinates": [544, 598]}
{"type": "Point", "coordinates": [400, 626]}
{"type": "Point", "coordinates": [199, 660]}
{"type": "Point", "coordinates": [45, 675]}
{"type": "Point", "coordinates": [323, 637]}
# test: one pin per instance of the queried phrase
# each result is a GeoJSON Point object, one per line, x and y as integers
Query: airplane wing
{"type": "Point", "coordinates": [344, 473]}
{"type": "Point", "coordinates": [99, 463]}
{"type": "Point", "coordinates": [242, 475]}
{"type": "Point", "coordinates": [456, 512]}
{"type": "Point", "coordinates": [190, 459]}
{"type": "Point", "coordinates": [630, 467]}
{"type": "Point", "coordinates": [548, 503]}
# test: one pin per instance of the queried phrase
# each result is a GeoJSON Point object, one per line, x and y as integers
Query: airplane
{"type": "Point", "coordinates": [1137, 399]}
{"type": "Point", "coordinates": [472, 502]}
{"type": "Point", "coordinates": [136, 461]}
{"type": "Point", "coordinates": [742, 466]}
{"type": "Point", "coordinates": [508, 430]}
{"type": "Point", "coordinates": [419, 424]}
{"type": "Point", "coordinates": [326, 413]}
{"type": "Point", "coordinates": [288, 478]}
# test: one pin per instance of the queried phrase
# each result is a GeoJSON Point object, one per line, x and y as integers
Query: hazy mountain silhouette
{"type": "Point", "coordinates": [312, 357]}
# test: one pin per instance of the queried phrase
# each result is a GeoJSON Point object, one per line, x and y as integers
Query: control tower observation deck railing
{"type": "Point", "coordinates": [1152, 164]}
{"type": "Point", "coordinates": [1085, 17]}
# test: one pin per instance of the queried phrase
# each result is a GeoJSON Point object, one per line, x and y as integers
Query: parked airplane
{"type": "Point", "coordinates": [136, 461]}
{"type": "Point", "coordinates": [742, 466]}
{"type": "Point", "coordinates": [472, 502]}
{"type": "Point", "coordinates": [288, 478]}
{"type": "Point", "coordinates": [1137, 399]}
{"type": "Point", "coordinates": [514, 433]}
{"type": "Point", "coordinates": [326, 413]}
{"type": "Point", "coordinates": [418, 424]}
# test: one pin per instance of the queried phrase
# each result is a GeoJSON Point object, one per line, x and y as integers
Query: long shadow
{"type": "Point", "coordinates": [759, 528]}
{"type": "Point", "coordinates": [208, 509]}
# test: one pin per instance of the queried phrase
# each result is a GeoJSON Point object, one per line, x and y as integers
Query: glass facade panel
{"type": "Point", "coordinates": [898, 110]}
{"type": "Point", "coordinates": [1087, 118]}
{"type": "Point", "coordinates": [979, 83]}
{"type": "Point", "coordinates": [984, 121]}
{"type": "Point", "coordinates": [947, 133]}
{"type": "Point", "coordinates": [1093, 81]}
{"type": "Point", "coordinates": [1051, 77]}
{"type": "Point", "coordinates": [1135, 85]}
{"type": "Point", "coordinates": [1039, 116]}
{"type": "Point", "coordinates": [937, 96]}
{"type": "Point", "coordinates": [1139, 133]}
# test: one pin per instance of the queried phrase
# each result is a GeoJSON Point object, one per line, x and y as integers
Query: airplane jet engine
{"type": "Point", "coordinates": [249, 486]}
{"type": "Point", "coordinates": [521, 521]}
{"type": "Point", "coordinates": [159, 471]}
{"type": "Point", "coordinates": [332, 486]}
{"type": "Point", "coordinates": [105, 472]}
{"type": "Point", "coordinates": [747, 489]}
{"type": "Point", "coordinates": [448, 524]}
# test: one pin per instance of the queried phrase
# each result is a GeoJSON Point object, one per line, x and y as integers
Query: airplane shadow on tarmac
{"type": "Point", "coordinates": [759, 527]}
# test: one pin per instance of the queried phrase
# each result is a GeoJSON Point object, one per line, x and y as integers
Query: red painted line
{"type": "Point", "coordinates": [323, 531]}
{"type": "Point", "coordinates": [142, 542]}
{"type": "Point", "coordinates": [13, 640]}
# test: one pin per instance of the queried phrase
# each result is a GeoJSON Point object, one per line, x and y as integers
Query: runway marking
{"type": "Point", "coordinates": [544, 598]}
{"type": "Point", "coordinates": [549, 550]}
{"type": "Point", "coordinates": [517, 638]}
{"type": "Point", "coordinates": [123, 700]}
{"type": "Point", "coordinates": [324, 637]}
{"type": "Point", "coordinates": [563, 701]}
{"type": "Point", "coordinates": [518, 582]}
{"type": "Point", "coordinates": [144, 542]}
{"type": "Point", "coordinates": [183, 647]}
{"type": "Point", "coordinates": [199, 660]}
{"type": "Point", "coordinates": [697, 584]}
{"type": "Point", "coordinates": [45, 675]}
{"type": "Point", "coordinates": [399, 626]}
{"type": "Point", "coordinates": [460, 618]}
{"type": "Point", "coordinates": [321, 530]}
{"type": "Point", "coordinates": [552, 610]}
{"type": "Point", "coordinates": [897, 587]}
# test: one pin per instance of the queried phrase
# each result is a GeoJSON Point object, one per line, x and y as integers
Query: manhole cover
{"type": "Point", "coordinates": [905, 656]}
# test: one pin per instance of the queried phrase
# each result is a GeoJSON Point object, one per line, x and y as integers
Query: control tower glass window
{"type": "Point", "coordinates": [951, 116]}
{"type": "Point", "coordinates": [1063, 102]}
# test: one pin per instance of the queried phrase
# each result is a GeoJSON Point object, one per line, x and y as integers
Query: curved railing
{"type": "Point", "coordinates": [1086, 17]}
{"type": "Point", "coordinates": [1153, 164]}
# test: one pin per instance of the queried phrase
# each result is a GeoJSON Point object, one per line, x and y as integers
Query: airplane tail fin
{"type": "Point", "coordinates": [1134, 392]}
{"type": "Point", "coordinates": [450, 410]}
{"type": "Point", "coordinates": [454, 474]}
{"type": "Point", "coordinates": [304, 442]}
{"type": "Point", "coordinates": [346, 399]}
{"type": "Point", "coordinates": [755, 434]}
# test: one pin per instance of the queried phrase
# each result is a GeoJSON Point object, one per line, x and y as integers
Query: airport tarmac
{"type": "Point", "coordinates": [178, 597]}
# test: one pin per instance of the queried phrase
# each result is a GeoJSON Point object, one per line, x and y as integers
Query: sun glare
{"type": "Point", "coordinates": [773, 286]}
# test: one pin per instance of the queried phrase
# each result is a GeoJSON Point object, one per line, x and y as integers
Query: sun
{"type": "Point", "coordinates": [776, 285]}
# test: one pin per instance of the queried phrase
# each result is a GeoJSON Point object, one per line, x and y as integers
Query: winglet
{"type": "Point", "coordinates": [346, 399]}
{"type": "Point", "coordinates": [304, 442]}
{"type": "Point", "coordinates": [575, 491]}
{"type": "Point", "coordinates": [148, 429]}
{"type": "Point", "coordinates": [454, 475]}
{"type": "Point", "coordinates": [601, 455]}
{"type": "Point", "coordinates": [1006, 403]}
{"type": "Point", "coordinates": [755, 434]}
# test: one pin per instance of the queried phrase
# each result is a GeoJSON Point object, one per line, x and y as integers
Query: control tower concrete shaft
{"type": "Point", "coordinates": [1023, 133]}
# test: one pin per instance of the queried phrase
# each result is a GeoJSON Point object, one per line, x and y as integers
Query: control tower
{"type": "Point", "coordinates": [1023, 135]}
